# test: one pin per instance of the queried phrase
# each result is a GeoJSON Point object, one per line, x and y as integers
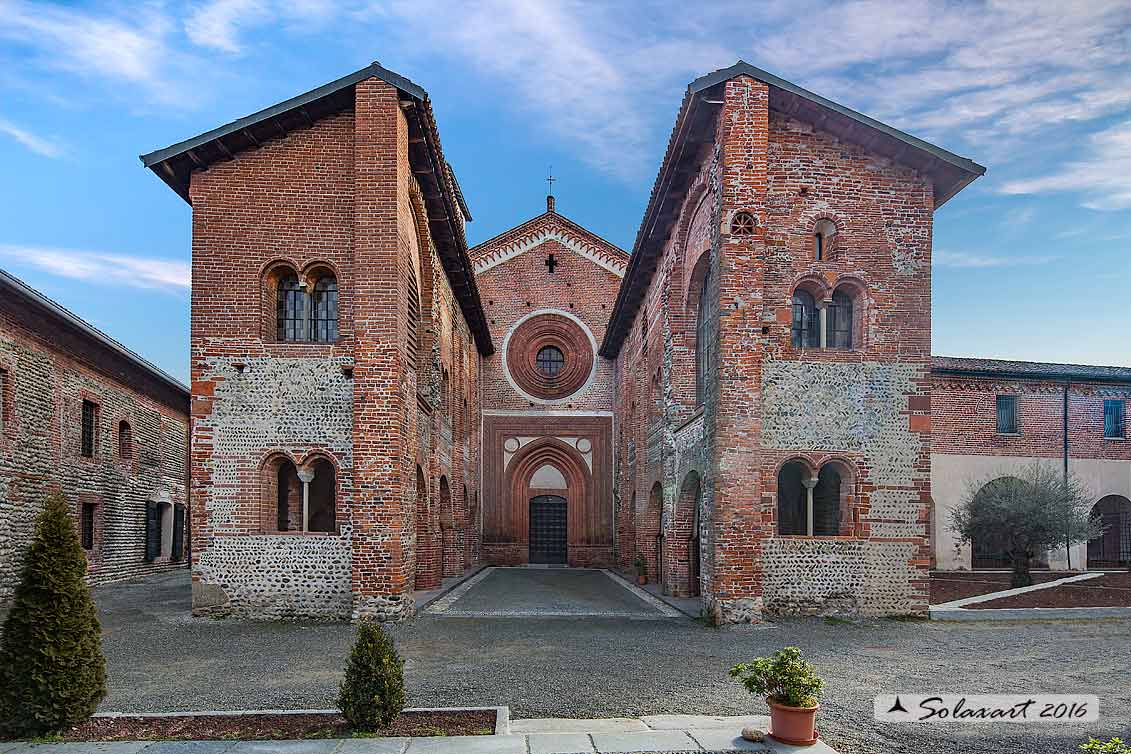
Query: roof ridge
{"type": "Point", "coordinates": [71, 318]}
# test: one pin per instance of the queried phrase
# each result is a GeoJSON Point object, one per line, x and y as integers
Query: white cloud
{"type": "Point", "coordinates": [35, 143]}
{"type": "Point", "coordinates": [590, 74]}
{"type": "Point", "coordinates": [217, 23]}
{"type": "Point", "coordinates": [980, 72]}
{"type": "Point", "coordinates": [1103, 177]}
{"type": "Point", "coordinates": [964, 259]}
{"type": "Point", "coordinates": [130, 53]}
{"type": "Point", "coordinates": [98, 267]}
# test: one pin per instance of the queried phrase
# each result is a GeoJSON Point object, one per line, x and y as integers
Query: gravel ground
{"type": "Point", "coordinates": [160, 658]}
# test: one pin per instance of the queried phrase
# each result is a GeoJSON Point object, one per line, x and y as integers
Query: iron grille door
{"type": "Point", "coordinates": [548, 529]}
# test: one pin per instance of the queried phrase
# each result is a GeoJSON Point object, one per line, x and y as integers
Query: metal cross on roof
{"type": "Point", "coordinates": [550, 181]}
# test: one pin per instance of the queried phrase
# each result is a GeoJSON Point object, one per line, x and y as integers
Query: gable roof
{"type": "Point", "coordinates": [948, 172]}
{"type": "Point", "coordinates": [110, 356]}
{"type": "Point", "coordinates": [443, 199]}
{"type": "Point", "coordinates": [970, 367]}
{"type": "Point", "coordinates": [549, 225]}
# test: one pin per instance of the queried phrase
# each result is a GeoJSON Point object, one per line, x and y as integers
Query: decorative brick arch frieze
{"type": "Point", "coordinates": [614, 262]}
{"type": "Point", "coordinates": [561, 330]}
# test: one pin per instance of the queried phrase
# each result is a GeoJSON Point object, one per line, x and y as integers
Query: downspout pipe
{"type": "Point", "coordinates": [1068, 535]}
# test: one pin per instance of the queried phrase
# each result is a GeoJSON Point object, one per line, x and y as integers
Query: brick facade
{"type": "Point", "coordinates": [50, 363]}
{"type": "Point", "coordinates": [746, 401]}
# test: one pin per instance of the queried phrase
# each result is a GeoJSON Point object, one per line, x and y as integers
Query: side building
{"type": "Point", "coordinates": [994, 417]}
{"type": "Point", "coordinates": [772, 338]}
{"type": "Point", "coordinates": [82, 415]}
{"type": "Point", "coordinates": [336, 336]}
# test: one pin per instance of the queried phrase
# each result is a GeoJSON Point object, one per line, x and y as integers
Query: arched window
{"type": "Point", "coordinates": [805, 330]}
{"type": "Point", "coordinates": [839, 321]}
{"type": "Point", "coordinates": [324, 321]}
{"type": "Point", "coordinates": [125, 441]}
{"type": "Point", "coordinates": [321, 507]}
{"type": "Point", "coordinates": [704, 343]}
{"type": "Point", "coordinates": [826, 502]}
{"type": "Point", "coordinates": [290, 313]}
{"type": "Point", "coordinates": [792, 499]}
{"type": "Point", "coordinates": [1112, 548]}
{"type": "Point", "coordinates": [288, 497]}
{"type": "Point", "coordinates": [823, 234]}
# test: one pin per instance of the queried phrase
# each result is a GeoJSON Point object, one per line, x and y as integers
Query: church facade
{"type": "Point", "coordinates": [743, 402]}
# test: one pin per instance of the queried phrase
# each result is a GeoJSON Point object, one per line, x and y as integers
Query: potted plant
{"type": "Point", "coordinates": [641, 566]}
{"type": "Point", "coordinates": [791, 687]}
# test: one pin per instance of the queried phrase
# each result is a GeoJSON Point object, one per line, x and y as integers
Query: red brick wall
{"type": "Point", "coordinates": [511, 290]}
{"type": "Point", "coordinates": [340, 194]}
{"type": "Point", "coordinates": [964, 418]}
{"type": "Point", "coordinates": [788, 175]}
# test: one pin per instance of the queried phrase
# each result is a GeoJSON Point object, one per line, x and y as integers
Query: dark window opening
{"type": "Point", "coordinates": [413, 321]}
{"type": "Point", "coordinates": [804, 332]}
{"type": "Point", "coordinates": [321, 507]}
{"type": "Point", "coordinates": [1113, 419]}
{"type": "Point", "coordinates": [1007, 414]}
{"type": "Point", "coordinates": [550, 360]}
{"type": "Point", "coordinates": [839, 321]}
{"type": "Point", "coordinates": [819, 242]}
{"type": "Point", "coordinates": [290, 316]}
{"type": "Point", "coordinates": [324, 324]}
{"type": "Point", "coordinates": [704, 344]}
{"type": "Point", "coordinates": [89, 421]}
{"type": "Point", "coordinates": [87, 526]}
{"type": "Point", "coordinates": [125, 441]}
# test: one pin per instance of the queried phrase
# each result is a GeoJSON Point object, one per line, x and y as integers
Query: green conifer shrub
{"type": "Point", "coordinates": [52, 672]}
{"type": "Point", "coordinates": [372, 693]}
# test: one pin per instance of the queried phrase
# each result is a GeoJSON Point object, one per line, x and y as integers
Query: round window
{"type": "Point", "coordinates": [550, 361]}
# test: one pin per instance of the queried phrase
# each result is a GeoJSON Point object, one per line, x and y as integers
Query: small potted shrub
{"type": "Point", "coordinates": [641, 566]}
{"type": "Point", "coordinates": [791, 687]}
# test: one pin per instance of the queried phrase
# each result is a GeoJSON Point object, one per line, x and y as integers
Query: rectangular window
{"type": "Point", "coordinates": [89, 423]}
{"type": "Point", "coordinates": [1007, 414]}
{"type": "Point", "coordinates": [87, 526]}
{"type": "Point", "coordinates": [1113, 418]}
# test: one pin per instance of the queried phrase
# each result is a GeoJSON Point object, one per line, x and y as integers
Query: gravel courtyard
{"type": "Point", "coordinates": [160, 658]}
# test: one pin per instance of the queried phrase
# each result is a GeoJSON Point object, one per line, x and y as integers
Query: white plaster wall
{"type": "Point", "coordinates": [951, 474]}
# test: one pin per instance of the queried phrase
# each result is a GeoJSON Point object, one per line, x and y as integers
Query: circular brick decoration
{"type": "Point", "coordinates": [542, 334]}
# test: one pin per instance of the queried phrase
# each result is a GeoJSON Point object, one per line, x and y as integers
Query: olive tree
{"type": "Point", "coordinates": [1027, 513]}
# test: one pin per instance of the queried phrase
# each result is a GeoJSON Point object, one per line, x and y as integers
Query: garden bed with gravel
{"type": "Point", "coordinates": [275, 726]}
{"type": "Point", "coordinates": [1109, 590]}
{"type": "Point", "coordinates": [947, 586]}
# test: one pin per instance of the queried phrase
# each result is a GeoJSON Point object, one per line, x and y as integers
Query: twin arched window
{"type": "Point", "coordinates": [839, 325]}
{"type": "Point", "coordinates": [302, 315]}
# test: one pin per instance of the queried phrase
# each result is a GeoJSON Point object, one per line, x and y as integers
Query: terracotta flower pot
{"type": "Point", "coordinates": [793, 725]}
{"type": "Point", "coordinates": [641, 579]}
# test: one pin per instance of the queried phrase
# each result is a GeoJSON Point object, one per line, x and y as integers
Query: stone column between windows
{"type": "Point", "coordinates": [809, 485]}
{"type": "Point", "coordinates": [822, 323]}
{"type": "Point", "coordinates": [306, 476]}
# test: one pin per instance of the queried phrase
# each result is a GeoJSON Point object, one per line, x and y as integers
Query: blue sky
{"type": "Point", "coordinates": [1031, 262]}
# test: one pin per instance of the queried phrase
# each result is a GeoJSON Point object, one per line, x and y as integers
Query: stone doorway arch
{"type": "Point", "coordinates": [550, 470]}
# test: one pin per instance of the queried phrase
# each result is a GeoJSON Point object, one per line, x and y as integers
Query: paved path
{"type": "Point", "coordinates": [160, 658]}
{"type": "Point", "coordinates": [661, 734]}
{"type": "Point", "coordinates": [549, 593]}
